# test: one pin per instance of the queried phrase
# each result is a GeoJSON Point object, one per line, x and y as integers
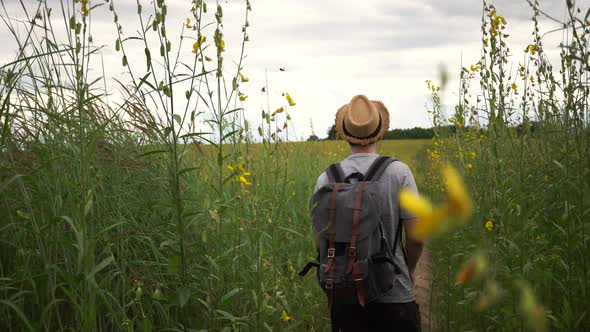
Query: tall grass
{"type": "Point", "coordinates": [151, 207]}
{"type": "Point", "coordinates": [523, 143]}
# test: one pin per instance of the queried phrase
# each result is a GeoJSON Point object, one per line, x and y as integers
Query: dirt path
{"type": "Point", "coordinates": [423, 283]}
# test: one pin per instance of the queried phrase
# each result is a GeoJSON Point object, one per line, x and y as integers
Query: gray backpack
{"type": "Point", "coordinates": [355, 262]}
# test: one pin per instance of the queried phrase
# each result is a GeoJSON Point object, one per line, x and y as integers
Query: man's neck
{"type": "Point", "coordinates": [371, 148]}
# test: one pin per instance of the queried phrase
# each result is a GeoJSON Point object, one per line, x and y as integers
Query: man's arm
{"type": "Point", "coordinates": [413, 246]}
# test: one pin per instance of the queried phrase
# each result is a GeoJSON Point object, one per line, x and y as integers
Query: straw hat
{"type": "Point", "coordinates": [362, 121]}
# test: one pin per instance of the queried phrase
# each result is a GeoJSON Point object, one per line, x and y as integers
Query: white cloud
{"type": "Point", "coordinates": [332, 49]}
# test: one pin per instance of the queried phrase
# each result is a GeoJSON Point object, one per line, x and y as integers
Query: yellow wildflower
{"type": "Point", "coordinates": [489, 225]}
{"type": "Point", "coordinates": [230, 168]}
{"type": "Point", "coordinates": [222, 45]}
{"type": "Point", "coordinates": [531, 48]}
{"type": "Point", "coordinates": [279, 110]}
{"type": "Point", "coordinates": [472, 269]}
{"type": "Point", "coordinates": [241, 168]}
{"type": "Point", "coordinates": [474, 67]}
{"type": "Point", "coordinates": [242, 180]}
{"type": "Point", "coordinates": [198, 43]}
{"type": "Point", "coordinates": [472, 155]}
{"type": "Point", "coordinates": [429, 218]}
{"type": "Point", "coordinates": [242, 96]}
{"type": "Point", "coordinates": [247, 174]}
{"type": "Point", "coordinates": [290, 100]}
{"type": "Point", "coordinates": [469, 166]}
{"type": "Point", "coordinates": [188, 23]}
{"type": "Point", "coordinates": [285, 317]}
{"type": "Point", "coordinates": [458, 202]}
{"type": "Point", "coordinates": [244, 78]}
{"type": "Point", "coordinates": [514, 86]}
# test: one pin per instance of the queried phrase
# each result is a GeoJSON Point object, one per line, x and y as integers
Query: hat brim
{"type": "Point", "coordinates": [383, 113]}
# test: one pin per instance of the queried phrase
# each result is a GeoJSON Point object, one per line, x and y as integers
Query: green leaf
{"type": "Point", "coordinates": [177, 118]}
{"type": "Point", "coordinates": [19, 313]}
{"type": "Point", "coordinates": [184, 294]}
{"type": "Point", "coordinates": [105, 262]}
{"type": "Point", "coordinates": [146, 325]}
{"type": "Point", "coordinates": [174, 264]}
{"type": "Point", "coordinates": [230, 294]}
{"type": "Point", "coordinates": [188, 169]}
{"type": "Point", "coordinates": [229, 134]}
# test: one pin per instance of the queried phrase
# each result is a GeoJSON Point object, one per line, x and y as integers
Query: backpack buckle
{"type": "Point", "coordinates": [352, 251]}
{"type": "Point", "coordinates": [331, 252]}
{"type": "Point", "coordinates": [329, 283]}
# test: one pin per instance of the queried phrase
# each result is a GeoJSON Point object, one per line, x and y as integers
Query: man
{"type": "Point", "coordinates": [362, 123]}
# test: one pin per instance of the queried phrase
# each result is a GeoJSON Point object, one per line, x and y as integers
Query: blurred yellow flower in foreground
{"type": "Point", "coordinates": [533, 312]}
{"type": "Point", "coordinates": [285, 317]}
{"type": "Point", "coordinates": [430, 218]}
{"type": "Point", "coordinates": [489, 225]}
{"type": "Point", "coordinates": [490, 296]}
{"type": "Point", "coordinates": [472, 269]}
{"type": "Point", "coordinates": [458, 203]}
{"type": "Point", "coordinates": [290, 100]}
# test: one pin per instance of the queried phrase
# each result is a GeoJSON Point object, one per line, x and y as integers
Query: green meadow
{"type": "Point", "coordinates": [145, 215]}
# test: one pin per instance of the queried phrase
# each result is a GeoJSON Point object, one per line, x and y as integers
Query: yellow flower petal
{"type": "Point", "coordinates": [489, 225]}
{"type": "Point", "coordinates": [458, 202]}
{"type": "Point", "coordinates": [230, 167]}
{"type": "Point", "coordinates": [241, 168]}
{"type": "Point", "coordinates": [290, 100]}
{"type": "Point", "coordinates": [285, 317]}
{"type": "Point", "coordinates": [244, 78]}
{"type": "Point", "coordinates": [429, 219]}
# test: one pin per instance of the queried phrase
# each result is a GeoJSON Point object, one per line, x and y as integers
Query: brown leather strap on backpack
{"type": "Point", "coordinates": [358, 281]}
{"type": "Point", "coordinates": [356, 221]}
{"type": "Point", "coordinates": [331, 243]}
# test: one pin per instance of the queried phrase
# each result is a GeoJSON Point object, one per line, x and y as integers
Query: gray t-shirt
{"type": "Point", "coordinates": [396, 176]}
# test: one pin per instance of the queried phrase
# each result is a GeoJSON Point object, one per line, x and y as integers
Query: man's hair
{"type": "Point", "coordinates": [352, 145]}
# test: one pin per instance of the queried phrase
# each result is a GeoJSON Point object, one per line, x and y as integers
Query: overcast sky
{"type": "Point", "coordinates": [333, 49]}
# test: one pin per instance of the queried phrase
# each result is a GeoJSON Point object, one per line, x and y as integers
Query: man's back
{"type": "Point", "coordinates": [396, 176]}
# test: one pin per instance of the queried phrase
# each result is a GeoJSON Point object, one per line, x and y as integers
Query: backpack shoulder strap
{"type": "Point", "coordinates": [335, 173]}
{"type": "Point", "coordinates": [378, 167]}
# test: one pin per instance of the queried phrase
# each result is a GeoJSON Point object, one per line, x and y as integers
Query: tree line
{"type": "Point", "coordinates": [407, 133]}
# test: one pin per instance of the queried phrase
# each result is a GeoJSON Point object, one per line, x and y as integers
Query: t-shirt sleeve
{"type": "Point", "coordinates": [322, 180]}
{"type": "Point", "coordinates": [407, 181]}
